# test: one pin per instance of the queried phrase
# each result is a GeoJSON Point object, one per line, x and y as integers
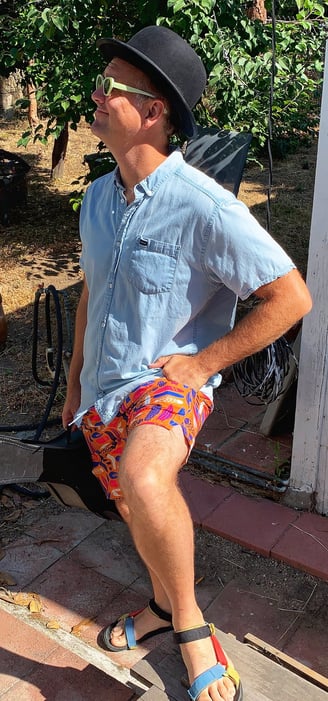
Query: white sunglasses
{"type": "Point", "coordinates": [107, 84]}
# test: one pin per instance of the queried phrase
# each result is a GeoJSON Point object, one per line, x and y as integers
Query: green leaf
{"type": "Point", "coordinates": [45, 14]}
{"type": "Point", "coordinates": [178, 5]}
{"type": "Point", "coordinates": [65, 105]}
{"type": "Point", "coordinates": [58, 22]}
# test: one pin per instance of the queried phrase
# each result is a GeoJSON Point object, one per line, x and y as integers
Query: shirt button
{"type": "Point", "coordinates": [110, 285]}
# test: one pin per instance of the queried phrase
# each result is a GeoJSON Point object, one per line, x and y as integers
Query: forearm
{"type": "Point", "coordinates": [283, 302]}
{"type": "Point", "coordinates": [280, 307]}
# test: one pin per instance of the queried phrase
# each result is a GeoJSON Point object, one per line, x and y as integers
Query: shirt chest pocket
{"type": "Point", "coordinates": [152, 265]}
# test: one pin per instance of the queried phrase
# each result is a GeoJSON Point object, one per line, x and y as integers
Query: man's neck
{"type": "Point", "coordinates": [136, 165]}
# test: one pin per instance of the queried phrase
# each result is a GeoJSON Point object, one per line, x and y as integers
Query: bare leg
{"type": "Point", "coordinates": [162, 530]}
{"type": "Point", "coordinates": [145, 621]}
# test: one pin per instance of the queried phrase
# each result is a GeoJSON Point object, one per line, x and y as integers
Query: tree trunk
{"type": "Point", "coordinates": [33, 119]}
{"type": "Point", "coordinates": [257, 10]}
{"type": "Point", "coordinates": [59, 153]}
{"type": "Point", "coordinates": [3, 326]}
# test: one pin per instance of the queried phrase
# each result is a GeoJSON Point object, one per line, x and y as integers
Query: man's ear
{"type": "Point", "coordinates": [154, 112]}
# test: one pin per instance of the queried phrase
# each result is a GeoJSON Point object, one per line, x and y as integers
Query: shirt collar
{"type": "Point", "coordinates": [152, 182]}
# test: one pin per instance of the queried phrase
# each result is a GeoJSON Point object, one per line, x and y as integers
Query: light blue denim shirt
{"type": "Point", "coordinates": [164, 274]}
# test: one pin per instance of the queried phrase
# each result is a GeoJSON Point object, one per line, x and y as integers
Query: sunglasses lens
{"type": "Point", "coordinates": [99, 81]}
{"type": "Point", "coordinates": [107, 86]}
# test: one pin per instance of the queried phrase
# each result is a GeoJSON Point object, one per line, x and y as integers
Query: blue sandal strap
{"type": "Point", "coordinates": [204, 680]}
{"type": "Point", "coordinates": [129, 633]}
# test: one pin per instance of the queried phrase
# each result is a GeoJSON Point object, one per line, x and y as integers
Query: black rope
{"type": "Point", "coordinates": [271, 97]}
{"type": "Point", "coordinates": [262, 375]}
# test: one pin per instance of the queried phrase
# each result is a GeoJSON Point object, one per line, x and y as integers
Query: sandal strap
{"type": "Point", "coordinates": [129, 633]}
{"type": "Point", "coordinates": [192, 634]}
{"type": "Point", "coordinates": [157, 611]}
{"type": "Point", "coordinates": [215, 673]}
{"type": "Point", "coordinates": [205, 679]}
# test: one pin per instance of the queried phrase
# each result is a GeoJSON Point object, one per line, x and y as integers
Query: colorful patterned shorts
{"type": "Point", "coordinates": [158, 402]}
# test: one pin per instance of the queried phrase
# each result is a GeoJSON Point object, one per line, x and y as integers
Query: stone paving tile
{"type": "Point", "coordinates": [216, 430]}
{"type": "Point", "coordinates": [256, 451]}
{"type": "Point", "coordinates": [308, 643]}
{"type": "Point", "coordinates": [66, 531]}
{"type": "Point", "coordinates": [21, 648]}
{"type": "Point", "coordinates": [255, 523]}
{"type": "Point", "coordinates": [202, 496]}
{"type": "Point", "coordinates": [110, 551]}
{"type": "Point", "coordinates": [63, 676]}
{"type": "Point", "coordinates": [25, 559]}
{"type": "Point", "coordinates": [305, 545]}
{"type": "Point", "coordinates": [71, 592]}
{"type": "Point", "coordinates": [239, 610]}
{"type": "Point", "coordinates": [228, 400]}
{"type": "Point", "coordinates": [206, 592]}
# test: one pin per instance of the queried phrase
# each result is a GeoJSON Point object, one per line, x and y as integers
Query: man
{"type": "Point", "coordinates": [166, 253]}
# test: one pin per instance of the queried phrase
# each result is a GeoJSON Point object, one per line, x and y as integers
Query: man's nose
{"type": "Point", "coordinates": [98, 95]}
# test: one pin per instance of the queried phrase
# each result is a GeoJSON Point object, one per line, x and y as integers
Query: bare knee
{"type": "Point", "coordinates": [145, 486]}
{"type": "Point", "coordinates": [123, 509]}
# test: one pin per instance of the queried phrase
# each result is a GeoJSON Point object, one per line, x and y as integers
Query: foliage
{"type": "Point", "coordinates": [99, 164]}
{"type": "Point", "coordinates": [258, 72]}
{"type": "Point", "coordinates": [55, 45]}
{"type": "Point", "coordinates": [252, 64]}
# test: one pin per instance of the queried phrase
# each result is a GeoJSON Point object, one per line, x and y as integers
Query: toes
{"type": "Point", "coordinates": [223, 690]}
{"type": "Point", "coordinates": [117, 633]}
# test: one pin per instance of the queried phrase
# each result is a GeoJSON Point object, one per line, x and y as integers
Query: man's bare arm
{"type": "Point", "coordinates": [283, 302]}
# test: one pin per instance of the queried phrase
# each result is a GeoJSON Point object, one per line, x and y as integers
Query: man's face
{"type": "Point", "coordinates": [118, 116]}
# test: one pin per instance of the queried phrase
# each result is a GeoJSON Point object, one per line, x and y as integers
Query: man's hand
{"type": "Point", "coordinates": [70, 408]}
{"type": "Point", "coordinates": [185, 369]}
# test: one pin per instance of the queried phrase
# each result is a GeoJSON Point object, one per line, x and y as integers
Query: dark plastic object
{"type": "Point", "coordinates": [13, 183]}
{"type": "Point", "coordinates": [67, 473]}
{"type": "Point", "coordinates": [221, 154]}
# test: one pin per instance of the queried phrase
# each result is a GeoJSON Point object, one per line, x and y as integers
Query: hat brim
{"type": "Point", "coordinates": [113, 47]}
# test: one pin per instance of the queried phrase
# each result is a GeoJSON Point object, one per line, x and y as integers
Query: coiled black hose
{"type": "Point", "coordinates": [261, 376]}
{"type": "Point", "coordinates": [54, 368]}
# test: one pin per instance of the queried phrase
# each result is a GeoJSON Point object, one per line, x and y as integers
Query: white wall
{"type": "Point", "coordinates": [309, 470]}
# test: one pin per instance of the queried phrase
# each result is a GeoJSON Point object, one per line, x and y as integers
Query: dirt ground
{"type": "Point", "coordinates": [41, 247]}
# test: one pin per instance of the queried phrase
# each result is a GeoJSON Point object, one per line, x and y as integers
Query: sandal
{"type": "Point", "coordinates": [222, 669]}
{"type": "Point", "coordinates": [128, 623]}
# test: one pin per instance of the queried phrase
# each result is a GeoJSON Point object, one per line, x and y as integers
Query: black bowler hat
{"type": "Point", "coordinates": [170, 62]}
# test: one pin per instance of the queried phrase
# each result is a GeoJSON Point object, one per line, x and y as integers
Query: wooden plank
{"type": "Point", "coordinates": [287, 661]}
{"type": "Point", "coordinates": [164, 672]}
{"type": "Point", "coordinates": [262, 678]}
{"type": "Point", "coordinates": [154, 694]}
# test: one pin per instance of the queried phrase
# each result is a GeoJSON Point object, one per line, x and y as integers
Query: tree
{"type": "Point", "coordinates": [55, 44]}
{"type": "Point", "coordinates": [257, 10]}
{"type": "Point", "coordinates": [238, 54]}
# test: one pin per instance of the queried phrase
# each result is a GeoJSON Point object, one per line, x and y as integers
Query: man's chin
{"type": "Point", "coordinates": [96, 127]}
